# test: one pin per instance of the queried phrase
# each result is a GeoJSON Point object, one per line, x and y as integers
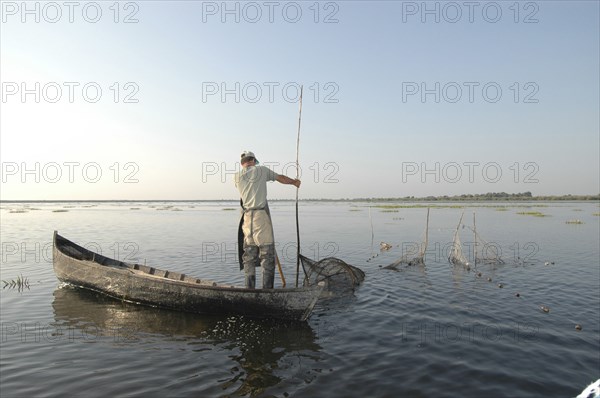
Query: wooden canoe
{"type": "Point", "coordinates": [141, 284]}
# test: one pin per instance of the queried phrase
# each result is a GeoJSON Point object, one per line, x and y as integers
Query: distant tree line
{"type": "Point", "coordinates": [490, 196]}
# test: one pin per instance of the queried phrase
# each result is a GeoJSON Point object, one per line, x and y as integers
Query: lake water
{"type": "Point", "coordinates": [423, 331]}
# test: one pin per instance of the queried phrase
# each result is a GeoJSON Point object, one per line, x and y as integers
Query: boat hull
{"type": "Point", "coordinates": [146, 285]}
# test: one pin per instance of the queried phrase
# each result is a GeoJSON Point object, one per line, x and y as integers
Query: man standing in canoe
{"type": "Point", "coordinates": [256, 229]}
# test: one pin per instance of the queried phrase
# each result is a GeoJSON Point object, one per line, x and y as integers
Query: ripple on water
{"type": "Point", "coordinates": [422, 331]}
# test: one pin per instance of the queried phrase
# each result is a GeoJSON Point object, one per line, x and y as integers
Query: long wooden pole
{"type": "Point", "coordinates": [280, 270]}
{"type": "Point", "coordinates": [474, 241]}
{"type": "Point", "coordinates": [298, 176]}
{"type": "Point", "coordinates": [424, 249]}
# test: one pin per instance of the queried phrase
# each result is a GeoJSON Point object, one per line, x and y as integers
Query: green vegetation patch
{"type": "Point", "coordinates": [573, 222]}
{"type": "Point", "coordinates": [418, 206]}
{"type": "Point", "coordinates": [532, 213]}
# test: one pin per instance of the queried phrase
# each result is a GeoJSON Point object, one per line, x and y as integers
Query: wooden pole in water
{"type": "Point", "coordinates": [424, 249]}
{"type": "Point", "coordinates": [297, 189]}
{"type": "Point", "coordinates": [454, 248]}
{"type": "Point", "coordinates": [474, 241]}
{"type": "Point", "coordinates": [372, 233]}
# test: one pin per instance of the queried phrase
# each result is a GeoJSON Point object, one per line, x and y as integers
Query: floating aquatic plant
{"type": "Point", "coordinates": [573, 222]}
{"type": "Point", "coordinates": [418, 206]}
{"type": "Point", "coordinates": [532, 213]}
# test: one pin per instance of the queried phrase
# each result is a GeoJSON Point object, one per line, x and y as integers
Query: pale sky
{"type": "Point", "coordinates": [156, 100]}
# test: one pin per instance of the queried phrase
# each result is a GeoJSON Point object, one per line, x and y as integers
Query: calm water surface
{"type": "Point", "coordinates": [426, 331]}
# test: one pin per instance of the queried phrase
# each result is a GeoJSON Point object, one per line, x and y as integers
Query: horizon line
{"type": "Point", "coordinates": [479, 197]}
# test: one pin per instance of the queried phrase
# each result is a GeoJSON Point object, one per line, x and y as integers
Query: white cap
{"type": "Point", "coordinates": [246, 155]}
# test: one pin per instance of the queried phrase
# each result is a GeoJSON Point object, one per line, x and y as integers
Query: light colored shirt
{"type": "Point", "coordinates": [251, 182]}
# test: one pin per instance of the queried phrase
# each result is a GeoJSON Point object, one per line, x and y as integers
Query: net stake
{"type": "Point", "coordinates": [297, 189]}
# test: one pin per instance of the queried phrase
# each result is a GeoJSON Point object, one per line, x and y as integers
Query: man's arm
{"type": "Point", "coordinates": [287, 180]}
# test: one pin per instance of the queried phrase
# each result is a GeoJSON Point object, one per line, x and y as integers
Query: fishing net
{"type": "Point", "coordinates": [486, 253]}
{"type": "Point", "coordinates": [414, 253]}
{"type": "Point", "coordinates": [456, 255]}
{"type": "Point", "coordinates": [337, 275]}
{"type": "Point", "coordinates": [483, 252]}
{"type": "Point", "coordinates": [490, 254]}
{"type": "Point", "coordinates": [411, 257]}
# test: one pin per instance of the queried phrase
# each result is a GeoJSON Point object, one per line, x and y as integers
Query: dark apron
{"type": "Point", "coordinates": [241, 235]}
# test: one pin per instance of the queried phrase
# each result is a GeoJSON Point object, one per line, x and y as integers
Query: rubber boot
{"type": "Point", "coordinates": [249, 258]}
{"type": "Point", "coordinates": [267, 262]}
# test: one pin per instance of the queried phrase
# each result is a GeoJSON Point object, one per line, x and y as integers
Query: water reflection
{"type": "Point", "coordinates": [265, 351]}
